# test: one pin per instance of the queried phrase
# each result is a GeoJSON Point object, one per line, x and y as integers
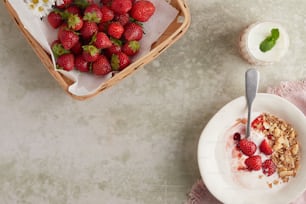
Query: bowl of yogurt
{"type": "Point", "coordinates": [224, 164]}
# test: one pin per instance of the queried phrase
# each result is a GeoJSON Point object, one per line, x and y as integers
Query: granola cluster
{"type": "Point", "coordinates": [283, 140]}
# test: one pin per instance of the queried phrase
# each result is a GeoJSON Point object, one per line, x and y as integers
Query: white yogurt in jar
{"type": "Point", "coordinates": [254, 35]}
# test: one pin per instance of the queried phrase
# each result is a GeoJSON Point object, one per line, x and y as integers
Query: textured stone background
{"type": "Point", "coordinates": [135, 143]}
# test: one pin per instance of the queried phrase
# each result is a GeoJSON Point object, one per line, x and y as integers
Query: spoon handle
{"type": "Point", "coordinates": [251, 86]}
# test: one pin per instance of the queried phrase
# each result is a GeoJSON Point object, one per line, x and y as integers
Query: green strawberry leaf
{"type": "Point", "coordinates": [134, 45]}
{"type": "Point", "coordinates": [81, 3]}
{"type": "Point", "coordinates": [115, 62]}
{"type": "Point", "coordinates": [91, 49]}
{"type": "Point", "coordinates": [59, 50]}
{"type": "Point", "coordinates": [116, 41]}
{"type": "Point", "coordinates": [93, 39]}
{"type": "Point", "coordinates": [92, 17]}
{"type": "Point", "coordinates": [73, 20]}
{"type": "Point", "coordinates": [270, 41]}
{"type": "Point", "coordinates": [58, 67]}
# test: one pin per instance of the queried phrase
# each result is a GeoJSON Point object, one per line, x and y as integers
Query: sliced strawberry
{"type": "Point", "coordinates": [268, 167]}
{"type": "Point", "coordinates": [65, 62]}
{"type": "Point", "coordinates": [101, 66]}
{"type": "Point", "coordinates": [115, 30]}
{"type": "Point", "coordinates": [119, 61]}
{"type": "Point", "coordinates": [265, 147]}
{"type": "Point", "coordinates": [81, 64]}
{"type": "Point", "coordinates": [142, 10]}
{"type": "Point", "coordinates": [253, 163]}
{"type": "Point", "coordinates": [247, 147]}
{"type": "Point", "coordinates": [90, 53]}
{"type": "Point", "coordinates": [121, 6]}
{"type": "Point", "coordinates": [133, 31]}
{"type": "Point", "coordinates": [131, 48]}
{"type": "Point", "coordinates": [257, 123]}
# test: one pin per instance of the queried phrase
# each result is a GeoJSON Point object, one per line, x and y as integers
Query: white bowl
{"type": "Point", "coordinates": [215, 168]}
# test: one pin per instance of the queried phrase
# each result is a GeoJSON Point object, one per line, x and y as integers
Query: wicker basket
{"type": "Point", "coordinates": [175, 30]}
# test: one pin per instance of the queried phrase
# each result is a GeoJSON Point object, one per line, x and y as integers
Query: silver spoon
{"type": "Point", "coordinates": [251, 86]}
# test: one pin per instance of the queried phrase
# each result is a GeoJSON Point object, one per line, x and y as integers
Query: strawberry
{"type": "Point", "coordinates": [75, 22]}
{"type": "Point", "coordinates": [88, 29]}
{"type": "Point", "coordinates": [268, 167]}
{"type": "Point", "coordinates": [101, 66]}
{"type": "Point", "coordinates": [142, 10]}
{"type": "Point", "coordinates": [131, 48]}
{"type": "Point", "coordinates": [77, 48]}
{"type": "Point", "coordinates": [101, 40]}
{"type": "Point", "coordinates": [103, 26]}
{"type": "Point", "coordinates": [90, 53]}
{"type": "Point", "coordinates": [65, 62]}
{"type": "Point", "coordinates": [119, 61]}
{"type": "Point", "coordinates": [81, 64]}
{"type": "Point", "coordinates": [58, 49]}
{"type": "Point", "coordinates": [258, 123]}
{"type": "Point", "coordinates": [73, 9]}
{"type": "Point", "coordinates": [62, 27]}
{"type": "Point", "coordinates": [68, 38]}
{"type": "Point", "coordinates": [247, 147]}
{"type": "Point", "coordinates": [115, 29]}
{"type": "Point", "coordinates": [253, 163]}
{"type": "Point", "coordinates": [107, 14]}
{"type": "Point", "coordinates": [114, 49]}
{"type": "Point", "coordinates": [55, 19]}
{"type": "Point", "coordinates": [65, 4]}
{"type": "Point", "coordinates": [93, 13]}
{"type": "Point", "coordinates": [265, 147]}
{"type": "Point", "coordinates": [83, 3]}
{"type": "Point", "coordinates": [133, 31]}
{"type": "Point", "coordinates": [106, 2]}
{"type": "Point", "coordinates": [123, 19]}
{"type": "Point", "coordinates": [121, 6]}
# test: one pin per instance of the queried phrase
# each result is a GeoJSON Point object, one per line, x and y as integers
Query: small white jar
{"type": "Point", "coordinates": [252, 37]}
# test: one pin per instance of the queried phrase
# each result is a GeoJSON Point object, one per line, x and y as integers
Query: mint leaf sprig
{"type": "Point", "coordinates": [270, 41]}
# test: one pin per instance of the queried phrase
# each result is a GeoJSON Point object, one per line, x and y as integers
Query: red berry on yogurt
{"type": "Point", "coordinates": [253, 163]}
{"type": "Point", "coordinates": [268, 167]}
{"type": "Point", "coordinates": [247, 147]}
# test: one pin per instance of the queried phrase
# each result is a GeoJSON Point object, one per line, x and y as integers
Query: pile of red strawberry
{"type": "Point", "coordinates": [254, 162]}
{"type": "Point", "coordinates": [98, 38]}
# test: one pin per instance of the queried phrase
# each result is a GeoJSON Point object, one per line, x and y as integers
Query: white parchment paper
{"type": "Point", "coordinates": [86, 83]}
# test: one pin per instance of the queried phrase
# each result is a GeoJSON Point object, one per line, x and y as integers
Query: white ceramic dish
{"type": "Point", "coordinates": [214, 167]}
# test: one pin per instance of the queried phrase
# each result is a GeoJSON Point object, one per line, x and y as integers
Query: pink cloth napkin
{"type": "Point", "coordinates": [295, 92]}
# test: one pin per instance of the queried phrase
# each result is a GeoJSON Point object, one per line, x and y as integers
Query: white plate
{"type": "Point", "coordinates": [215, 168]}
